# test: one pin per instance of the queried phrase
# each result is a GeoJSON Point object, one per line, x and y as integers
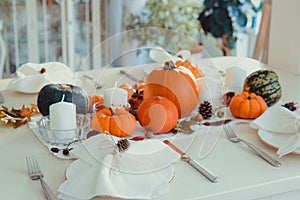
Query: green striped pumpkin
{"type": "Point", "coordinates": [265, 84]}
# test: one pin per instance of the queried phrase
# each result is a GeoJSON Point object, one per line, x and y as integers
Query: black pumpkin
{"type": "Point", "coordinates": [53, 93]}
{"type": "Point", "coordinates": [265, 84]}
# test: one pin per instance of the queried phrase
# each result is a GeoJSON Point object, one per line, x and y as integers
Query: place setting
{"type": "Point", "coordinates": [138, 129]}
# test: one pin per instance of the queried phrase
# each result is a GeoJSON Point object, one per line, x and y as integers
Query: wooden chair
{"type": "Point", "coordinates": [261, 49]}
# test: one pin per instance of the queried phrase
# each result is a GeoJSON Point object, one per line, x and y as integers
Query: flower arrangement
{"type": "Point", "coordinates": [177, 20]}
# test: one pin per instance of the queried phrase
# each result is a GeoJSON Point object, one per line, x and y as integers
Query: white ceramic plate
{"type": "Point", "coordinates": [274, 139]}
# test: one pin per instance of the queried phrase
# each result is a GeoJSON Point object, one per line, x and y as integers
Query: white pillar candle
{"type": "Point", "coordinates": [234, 79]}
{"type": "Point", "coordinates": [115, 96]}
{"type": "Point", "coordinates": [210, 90]}
{"type": "Point", "coordinates": [62, 116]}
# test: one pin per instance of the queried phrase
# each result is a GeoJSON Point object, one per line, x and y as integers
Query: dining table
{"type": "Point", "coordinates": [243, 175]}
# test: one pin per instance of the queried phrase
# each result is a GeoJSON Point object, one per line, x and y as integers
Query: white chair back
{"type": "Point", "coordinates": [2, 51]}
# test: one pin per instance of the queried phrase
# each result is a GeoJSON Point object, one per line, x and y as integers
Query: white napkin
{"type": "Point", "coordinates": [31, 80]}
{"type": "Point", "coordinates": [280, 120]}
{"type": "Point", "coordinates": [160, 55]}
{"type": "Point", "coordinates": [88, 176]}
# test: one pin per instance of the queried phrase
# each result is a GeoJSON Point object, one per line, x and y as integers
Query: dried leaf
{"type": "Point", "coordinates": [2, 114]}
{"type": "Point", "coordinates": [17, 117]}
{"type": "Point", "coordinates": [184, 127]}
{"type": "Point", "coordinates": [217, 123]}
{"type": "Point", "coordinates": [137, 138]}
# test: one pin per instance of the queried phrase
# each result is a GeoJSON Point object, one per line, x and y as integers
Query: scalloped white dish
{"type": "Point", "coordinates": [84, 180]}
{"type": "Point", "coordinates": [32, 77]}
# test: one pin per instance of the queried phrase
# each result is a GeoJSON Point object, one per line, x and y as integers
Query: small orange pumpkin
{"type": "Point", "coordinates": [94, 99]}
{"type": "Point", "coordinates": [117, 121]}
{"type": "Point", "coordinates": [187, 64]}
{"type": "Point", "coordinates": [157, 114]}
{"type": "Point", "coordinates": [247, 105]}
{"type": "Point", "coordinates": [176, 84]}
{"type": "Point", "coordinates": [131, 89]}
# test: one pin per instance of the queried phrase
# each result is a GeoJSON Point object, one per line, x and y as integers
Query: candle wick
{"type": "Point", "coordinates": [63, 98]}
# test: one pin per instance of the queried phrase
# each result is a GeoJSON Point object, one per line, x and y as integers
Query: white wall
{"type": "Point", "coordinates": [284, 49]}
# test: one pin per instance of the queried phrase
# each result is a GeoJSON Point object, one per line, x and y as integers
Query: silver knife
{"type": "Point", "coordinates": [1, 98]}
{"type": "Point", "coordinates": [133, 78]}
{"type": "Point", "coordinates": [193, 163]}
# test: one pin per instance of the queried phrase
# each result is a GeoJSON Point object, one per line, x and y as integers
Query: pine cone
{"type": "Point", "coordinates": [205, 109]}
{"type": "Point", "coordinates": [123, 144]}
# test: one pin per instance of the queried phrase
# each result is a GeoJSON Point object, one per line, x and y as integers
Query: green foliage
{"type": "Point", "coordinates": [225, 17]}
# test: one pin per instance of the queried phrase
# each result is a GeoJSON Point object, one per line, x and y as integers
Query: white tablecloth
{"type": "Point", "coordinates": [243, 175]}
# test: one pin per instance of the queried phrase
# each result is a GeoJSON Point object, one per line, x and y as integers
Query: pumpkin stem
{"type": "Point", "coordinates": [169, 65]}
{"type": "Point", "coordinates": [249, 97]}
{"type": "Point", "coordinates": [43, 70]}
{"type": "Point", "coordinates": [112, 110]}
{"type": "Point", "coordinates": [65, 87]}
{"type": "Point", "coordinates": [180, 56]}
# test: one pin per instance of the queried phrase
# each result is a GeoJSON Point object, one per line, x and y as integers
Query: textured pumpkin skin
{"type": "Point", "coordinates": [53, 93]}
{"type": "Point", "coordinates": [247, 105]}
{"type": "Point", "coordinates": [157, 114]}
{"type": "Point", "coordinates": [265, 84]}
{"type": "Point", "coordinates": [120, 124]}
{"type": "Point", "coordinates": [187, 64]}
{"type": "Point", "coordinates": [174, 84]}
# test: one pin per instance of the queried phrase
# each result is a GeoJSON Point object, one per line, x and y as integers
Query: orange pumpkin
{"type": "Point", "coordinates": [247, 105]}
{"type": "Point", "coordinates": [94, 99]}
{"type": "Point", "coordinates": [117, 121]}
{"type": "Point", "coordinates": [131, 89]}
{"type": "Point", "coordinates": [187, 64]}
{"type": "Point", "coordinates": [176, 84]}
{"type": "Point", "coordinates": [157, 114]}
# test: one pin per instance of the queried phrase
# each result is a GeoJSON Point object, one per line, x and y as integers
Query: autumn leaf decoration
{"type": "Point", "coordinates": [17, 117]}
{"type": "Point", "coordinates": [184, 126]}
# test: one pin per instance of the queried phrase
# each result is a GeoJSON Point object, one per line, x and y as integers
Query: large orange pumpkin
{"type": "Point", "coordinates": [157, 114]}
{"type": "Point", "coordinates": [176, 84]}
{"type": "Point", "coordinates": [247, 105]}
{"type": "Point", "coordinates": [187, 64]}
{"type": "Point", "coordinates": [117, 121]}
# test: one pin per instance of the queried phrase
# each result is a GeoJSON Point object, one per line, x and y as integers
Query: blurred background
{"type": "Point", "coordinates": [68, 31]}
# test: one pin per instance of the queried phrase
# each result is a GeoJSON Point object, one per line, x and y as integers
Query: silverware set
{"type": "Point", "coordinates": [235, 139]}
{"type": "Point", "coordinates": [35, 173]}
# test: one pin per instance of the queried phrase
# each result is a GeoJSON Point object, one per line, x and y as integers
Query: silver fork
{"type": "Point", "coordinates": [35, 173]}
{"type": "Point", "coordinates": [233, 138]}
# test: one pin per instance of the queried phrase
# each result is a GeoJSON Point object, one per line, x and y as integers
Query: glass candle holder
{"type": "Point", "coordinates": [58, 137]}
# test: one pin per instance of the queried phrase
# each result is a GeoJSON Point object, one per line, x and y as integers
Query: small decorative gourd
{"type": "Point", "coordinates": [116, 121]}
{"type": "Point", "coordinates": [95, 99]}
{"type": "Point", "coordinates": [53, 93]}
{"type": "Point", "coordinates": [265, 84]}
{"type": "Point", "coordinates": [187, 64]}
{"type": "Point", "coordinates": [157, 114]}
{"type": "Point", "coordinates": [176, 84]}
{"type": "Point", "coordinates": [247, 105]}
